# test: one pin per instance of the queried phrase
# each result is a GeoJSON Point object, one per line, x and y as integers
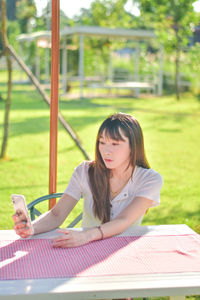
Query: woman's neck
{"type": "Point", "coordinates": [122, 174]}
{"type": "Point", "coordinates": [119, 180]}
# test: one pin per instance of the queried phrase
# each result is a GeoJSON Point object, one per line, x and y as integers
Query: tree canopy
{"type": "Point", "coordinates": [173, 22]}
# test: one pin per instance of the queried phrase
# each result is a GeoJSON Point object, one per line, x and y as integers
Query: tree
{"type": "Point", "coordinates": [26, 11]}
{"type": "Point", "coordinates": [106, 13]}
{"type": "Point", "coordinates": [172, 20]}
{"type": "Point", "coordinates": [9, 66]}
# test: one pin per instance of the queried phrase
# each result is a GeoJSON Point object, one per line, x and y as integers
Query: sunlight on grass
{"type": "Point", "coordinates": [171, 131]}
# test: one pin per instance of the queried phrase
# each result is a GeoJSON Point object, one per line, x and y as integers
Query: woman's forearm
{"type": "Point", "coordinates": [56, 216]}
{"type": "Point", "coordinates": [118, 225]}
{"type": "Point", "coordinates": [106, 230]}
{"type": "Point", "coordinates": [46, 222]}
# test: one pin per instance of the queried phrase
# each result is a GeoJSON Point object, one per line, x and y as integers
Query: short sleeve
{"type": "Point", "coordinates": [74, 187]}
{"type": "Point", "coordinates": [150, 186]}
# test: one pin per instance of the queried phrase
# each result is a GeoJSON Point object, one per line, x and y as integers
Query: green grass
{"type": "Point", "coordinates": [171, 130]}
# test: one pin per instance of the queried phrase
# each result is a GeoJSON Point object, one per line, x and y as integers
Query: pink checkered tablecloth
{"type": "Point", "coordinates": [35, 258]}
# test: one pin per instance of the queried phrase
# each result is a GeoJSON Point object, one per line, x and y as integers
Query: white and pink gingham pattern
{"type": "Point", "coordinates": [35, 258]}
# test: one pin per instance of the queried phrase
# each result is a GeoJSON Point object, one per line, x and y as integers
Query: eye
{"type": "Point", "coordinates": [115, 144]}
{"type": "Point", "coordinates": [101, 143]}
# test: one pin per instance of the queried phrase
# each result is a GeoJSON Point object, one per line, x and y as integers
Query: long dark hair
{"type": "Point", "coordinates": [99, 175]}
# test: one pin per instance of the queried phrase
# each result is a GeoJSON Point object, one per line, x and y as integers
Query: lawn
{"type": "Point", "coordinates": [171, 131]}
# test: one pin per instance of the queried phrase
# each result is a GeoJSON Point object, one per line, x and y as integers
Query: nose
{"type": "Point", "coordinates": [107, 149]}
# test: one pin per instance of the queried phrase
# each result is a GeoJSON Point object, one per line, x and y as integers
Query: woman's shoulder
{"type": "Point", "coordinates": [147, 174]}
{"type": "Point", "coordinates": [147, 183]}
{"type": "Point", "coordinates": [83, 167]}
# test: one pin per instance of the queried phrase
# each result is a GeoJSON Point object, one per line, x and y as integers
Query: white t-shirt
{"type": "Point", "coordinates": [145, 183]}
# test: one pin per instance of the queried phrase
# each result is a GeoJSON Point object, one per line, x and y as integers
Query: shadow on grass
{"type": "Point", "coordinates": [31, 101]}
{"type": "Point", "coordinates": [29, 126]}
{"type": "Point", "coordinates": [33, 125]}
{"type": "Point", "coordinates": [36, 125]}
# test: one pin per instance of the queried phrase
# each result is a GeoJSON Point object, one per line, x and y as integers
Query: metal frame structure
{"type": "Point", "coordinates": [101, 32]}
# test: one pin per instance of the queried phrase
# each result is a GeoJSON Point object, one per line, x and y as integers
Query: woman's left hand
{"type": "Point", "coordinates": [70, 238]}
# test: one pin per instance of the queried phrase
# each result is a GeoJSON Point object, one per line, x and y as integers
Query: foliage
{"type": "Point", "coordinates": [169, 18]}
{"type": "Point", "coordinates": [26, 10]}
{"type": "Point", "coordinates": [13, 30]}
{"type": "Point", "coordinates": [65, 21]}
{"type": "Point", "coordinates": [107, 13]}
{"type": "Point", "coordinates": [193, 62]}
{"type": "Point", "coordinates": [172, 25]}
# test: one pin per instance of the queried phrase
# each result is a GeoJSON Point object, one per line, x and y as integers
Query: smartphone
{"type": "Point", "coordinates": [20, 207]}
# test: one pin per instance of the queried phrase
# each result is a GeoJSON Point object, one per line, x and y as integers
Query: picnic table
{"type": "Point", "coordinates": [145, 261]}
{"type": "Point", "coordinates": [135, 86]}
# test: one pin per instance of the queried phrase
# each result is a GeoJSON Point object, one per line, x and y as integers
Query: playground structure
{"type": "Point", "coordinates": [135, 83]}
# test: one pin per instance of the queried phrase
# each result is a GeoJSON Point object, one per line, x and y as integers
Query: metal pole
{"type": "Point", "coordinates": [64, 65]}
{"type": "Point", "coordinates": [110, 71]}
{"type": "Point", "coordinates": [55, 35]}
{"type": "Point", "coordinates": [136, 75]}
{"type": "Point", "coordinates": [160, 74]}
{"type": "Point", "coordinates": [81, 65]}
{"type": "Point", "coordinates": [47, 65]}
{"type": "Point", "coordinates": [37, 63]}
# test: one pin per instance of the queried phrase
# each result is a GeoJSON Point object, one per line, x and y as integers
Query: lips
{"type": "Point", "coordinates": [107, 160]}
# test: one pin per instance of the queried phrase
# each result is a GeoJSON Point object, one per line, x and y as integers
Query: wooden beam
{"type": "Point", "coordinates": [55, 42]}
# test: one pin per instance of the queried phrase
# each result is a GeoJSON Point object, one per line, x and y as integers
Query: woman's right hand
{"type": "Point", "coordinates": [21, 227]}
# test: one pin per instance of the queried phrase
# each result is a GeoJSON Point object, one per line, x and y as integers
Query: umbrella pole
{"type": "Point", "coordinates": [55, 42]}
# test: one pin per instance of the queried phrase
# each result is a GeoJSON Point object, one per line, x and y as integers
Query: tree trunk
{"type": "Point", "coordinates": [9, 67]}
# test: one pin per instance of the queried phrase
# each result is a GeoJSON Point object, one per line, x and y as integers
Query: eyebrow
{"type": "Point", "coordinates": [110, 138]}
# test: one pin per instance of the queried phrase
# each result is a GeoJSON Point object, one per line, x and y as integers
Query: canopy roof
{"type": "Point", "coordinates": [137, 34]}
{"type": "Point", "coordinates": [28, 37]}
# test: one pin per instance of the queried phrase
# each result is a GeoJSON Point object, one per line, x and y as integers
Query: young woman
{"type": "Point", "coordinates": [118, 187]}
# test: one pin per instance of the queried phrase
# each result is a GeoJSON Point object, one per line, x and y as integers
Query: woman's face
{"type": "Point", "coordinates": [115, 154]}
